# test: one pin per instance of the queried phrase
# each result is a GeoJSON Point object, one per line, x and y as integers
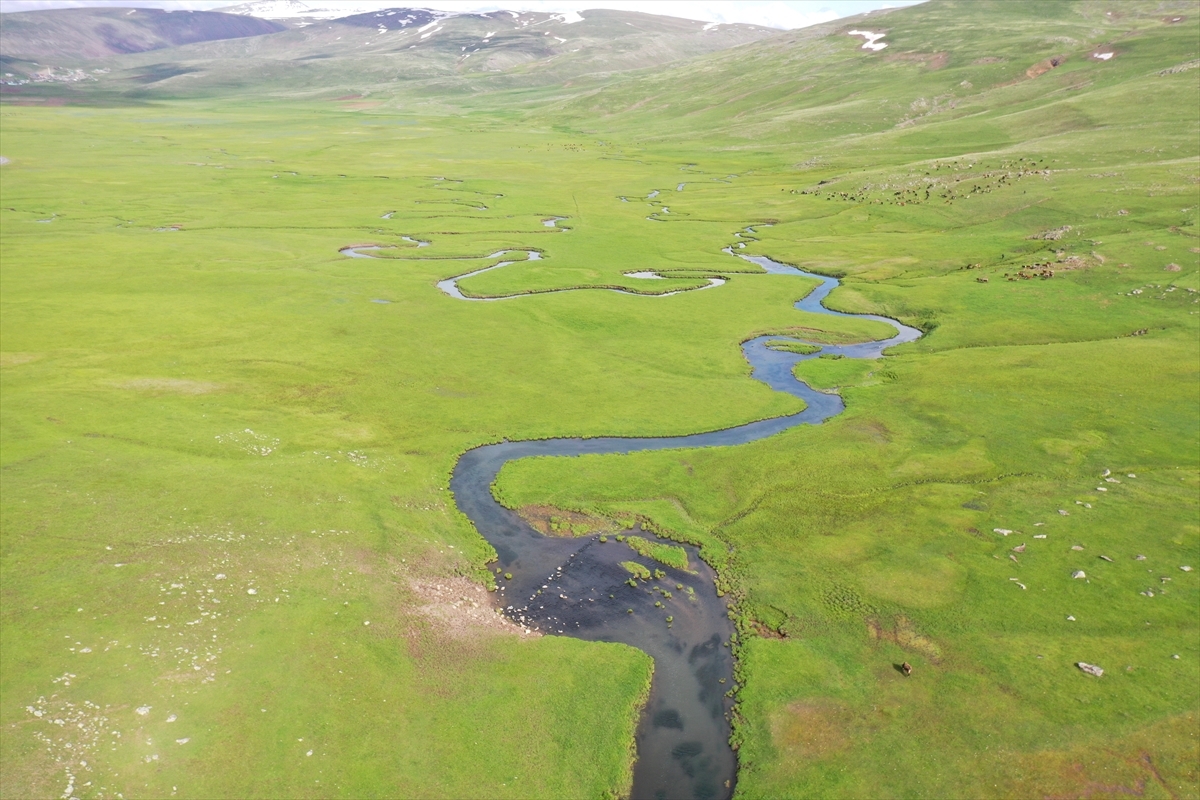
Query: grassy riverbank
{"type": "Point", "coordinates": [203, 401]}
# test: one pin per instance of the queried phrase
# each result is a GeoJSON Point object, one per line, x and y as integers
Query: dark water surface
{"type": "Point", "coordinates": [577, 586]}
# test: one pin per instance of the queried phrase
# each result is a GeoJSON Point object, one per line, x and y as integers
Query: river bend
{"type": "Point", "coordinates": [577, 586]}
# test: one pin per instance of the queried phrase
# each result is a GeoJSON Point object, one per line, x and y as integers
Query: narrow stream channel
{"type": "Point", "coordinates": [577, 586]}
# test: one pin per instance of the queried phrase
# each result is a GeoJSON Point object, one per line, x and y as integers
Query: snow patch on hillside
{"type": "Point", "coordinates": [293, 9]}
{"type": "Point", "coordinates": [330, 9]}
{"type": "Point", "coordinates": [873, 42]}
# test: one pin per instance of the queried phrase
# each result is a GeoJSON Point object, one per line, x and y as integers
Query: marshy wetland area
{"type": "Point", "coordinates": [798, 418]}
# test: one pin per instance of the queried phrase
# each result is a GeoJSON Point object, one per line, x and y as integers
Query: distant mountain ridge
{"type": "Point", "coordinates": [298, 9]}
{"type": "Point", "coordinates": [88, 33]}
{"type": "Point", "coordinates": [425, 50]}
{"type": "Point", "coordinates": [301, 12]}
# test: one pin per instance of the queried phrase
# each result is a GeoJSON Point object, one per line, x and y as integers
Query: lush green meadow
{"type": "Point", "coordinates": [226, 446]}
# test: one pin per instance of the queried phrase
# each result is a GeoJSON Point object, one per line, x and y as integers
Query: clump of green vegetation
{"type": "Point", "coordinates": [669, 554]}
{"type": "Point", "coordinates": [803, 348]}
{"type": "Point", "coordinates": [636, 569]}
{"type": "Point", "coordinates": [822, 373]}
{"type": "Point", "coordinates": [603, 539]}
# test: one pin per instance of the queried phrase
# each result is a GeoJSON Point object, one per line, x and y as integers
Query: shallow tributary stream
{"type": "Point", "coordinates": [577, 586]}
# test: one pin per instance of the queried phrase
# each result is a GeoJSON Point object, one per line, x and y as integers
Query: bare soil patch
{"type": "Point", "coordinates": [813, 729]}
{"type": "Point", "coordinates": [902, 632]}
{"type": "Point", "coordinates": [1044, 66]}
{"type": "Point", "coordinates": [461, 608]}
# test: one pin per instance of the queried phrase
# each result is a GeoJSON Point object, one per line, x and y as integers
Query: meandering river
{"type": "Point", "coordinates": [577, 586]}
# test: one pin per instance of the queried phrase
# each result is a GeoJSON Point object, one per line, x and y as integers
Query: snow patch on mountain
{"type": "Point", "coordinates": [300, 9]}
{"type": "Point", "coordinates": [873, 42]}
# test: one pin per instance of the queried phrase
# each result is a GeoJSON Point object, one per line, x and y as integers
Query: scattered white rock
{"type": "Point", "coordinates": [184, 740]}
{"type": "Point", "coordinates": [1176, 656]}
{"type": "Point", "coordinates": [1186, 568]}
{"type": "Point", "coordinates": [1064, 512]}
{"type": "Point", "coordinates": [1090, 669]}
{"type": "Point", "coordinates": [1101, 489]}
{"type": "Point", "coordinates": [1078, 574]}
{"type": "Point", "coordinates": [220, 576]}
{"type": "Point", "coordinates": [1002, 531]}
{"type": "Point", "coordinates": [172, 718]}
{"type": "Point", "coordinates": [1131, 475]}
{"type": "Point", "coordinates": [1102, 56]}
{"type": "Point", "coordinates": [143, 710]}
{"type": "Point", "coordinates": [1106, 558]}
{"type": "Point", "coordinates": [366, 622]}
{"type": "Point", "coordinates": [1019, 548]}
{"type": "Point", "coordinates": [1139, 557]}
{"type": "Point", "coordinates": [309, 753]}
{"type": "Point", "coordinates": [252, 591]}
{"type": "Point", "coordinates": [1039, 536]}
{"type": "Point", "coordinates": [1070, 618]}
{"type": "Point", "coordinates": [1106, 473]}
{"type": "Point", "coordinates": [1077, 547]}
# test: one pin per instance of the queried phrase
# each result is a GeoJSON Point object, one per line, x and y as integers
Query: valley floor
{"type": "Point", "coordinates": [231, 565]}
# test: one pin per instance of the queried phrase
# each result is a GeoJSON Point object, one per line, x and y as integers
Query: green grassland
{"type": "Point", "coordinates": [204, 401]}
